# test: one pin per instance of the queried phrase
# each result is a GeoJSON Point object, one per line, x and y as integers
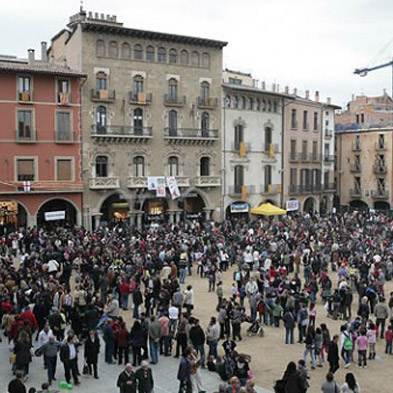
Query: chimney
{"type": "Point", "coordinates": [263, 85]}
{"type": "Point", "coordinates": [317, 96]}
{"type": "Point", "coordinates": [96, 15]}
{"type": "Point", "coordinates": [295, 91]}
{"type": "Point", "coordinates": [353, 97]}
{"type": "Point", "coordinates": [44, 54]}
{"type": "Point", "coordinates": [307, 94]}
{"type": "Point", "coordinates": [286, 89]}
{"type": "Point", "coordinates": [90, 15]}
{"type": "Point", "coordinates": [102, 16]}
{"type": "Point", "coordinates": [273, 87]}
{"type": "Point", "coordinates": [30, 55]}
{"type": "Point", "coordinates": [328, 100]}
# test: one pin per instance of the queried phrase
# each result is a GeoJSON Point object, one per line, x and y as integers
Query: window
{"type": "Point", "coordinates": [113, 49]}
{"type": "Point", "coordinates": [137, 85]}
{"type": "Point", "coordinates": [138, 52]}
{"type": "Point", "coordinates": [172, 89]}
{"type": "Point", "coordinates": [239, 136]}
{"type": "Point", "coordinates": [172, 122]}
{"type": "Point", "coordinates": [24, 84]}
{"type": "Point", "coordinates": [243, 103]}
{"type": "Point", "coordinates": [63, 126]}
{"type": "Point", "coordinates": [316, 121]}
{"type": "Point", "coordinates": [227, 102]}
{"type": "Point", "coordinates": [25, 126]}
{"type": "Point", "coordinates": [173, 166]}
{"type": "Point", "coordinates": [184, 58]}
{"type": "Point", "coordinates": [101, 81]}
{"type": "Point", "coordinates": [268, 176]}
{"type": "Point", "coordinates": [362, 117]}
{"type": "Point", "coordinates": [263, 105]}
{"type": "Point", "coordinates": [205, 60]}
{"type": "Point", "coordinates": [357, 142]}
{"type": "Point", "coordinates": [101, 119]}
{"type": "Point", "coordinates": [236, 102]}
{"type": "Point", "coordinates": [234, 81]}
{"type": "Point", "coordinates": [326, 179]}
{"type": "Point", "coordinates": [326, 149]}
{"type": "Point", "coordinates": [293, 118]}
{"type": "Point", "coordinates": [293, 177]}
{"type": "Point", "coordinates": [293, 149]}
{"type": "Point", "coordinates": [150, 54]}
{"type": "Point", "coordinates": [205, 120]}
{"type": "Point", "coordinates": [381, 141]}
{"type": "Point", "coordinates": [25, 169]}
{"type": "Point", "coordinates": [250, 104]}
{"type": "Point", "coordinates": [357, 184]}
{"type": "Point", "coordinates": [239, 178]}
{"type": "Point", "coordinates": [161, 55]}
{"type": "Point", "coordinates": [101, 166]}
{"type": "Point", "coordinates": [315, 150]}
{"type": "Point", "coordinates": [195, 58]}
{"type": "Point", "coordinates": [139, 166]}
{"type": "Point", "coordinates": [205, 91]}
{"type": "Point", "coordinates": [63, 169]}
{"type": "Point", "coordinates": [205, 166]}
{"type": "Point", "coordinates": [357, 119]}
{"type": "Point", "coordinates": [63, 89]}
{"type": "Point", "coordinates": [258, 103]}
{"type": "Point", "coordinates": [100, 48]}
{"type": "Point", "coordinates": [381, 187]}
{"type": "Point", "coordinates": [268, 138]}
{"type": "Point", "coordinates": [125, 50]}
{"type": "Point", "coordinates": [275, 106]}
{"type": "Point", "coordinates": [305, 120]}
{"type": "Point", "coordinates": [304, 149]}
{"type": "Point", "coordinates": [173, 56]}
{"type": "Point", "coordinates": [269, 105]}
{"type": "Point", "coordinates": [138, 121]}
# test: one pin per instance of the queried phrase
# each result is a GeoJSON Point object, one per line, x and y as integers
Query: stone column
{"type": "Point", "coordinates": [139, 220]}
{"type": "Point", "coordinates": [131, 219]}
{"type": "Point", "coordinates": [178, 215]}
{"type": "Point", "coordinates": [31, 220]}
{"type": "Point", "coordinates": [171, 217]}
{"type": "Point", "coordinates": [97, 219]}
{"type": "Point", "coordinates": [207, 215]}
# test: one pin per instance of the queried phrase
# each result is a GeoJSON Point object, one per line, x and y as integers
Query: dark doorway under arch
{"type": "Point", "coordinates": [358, 204]}
{"type": "Point", "coordinates": [309, 205]}
{"type": "Point", "coordinates": [57, 205]}
{"type": "Point", "coordinates": [114, 208]}
{"type": "Point", "coordinates": [381, 205]}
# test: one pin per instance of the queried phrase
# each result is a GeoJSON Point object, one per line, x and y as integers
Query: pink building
{"type": "Point", "coordinates": [40, 142]}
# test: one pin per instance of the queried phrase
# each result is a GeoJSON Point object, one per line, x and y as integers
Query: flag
{"type": "Point", "coordinates": [271, 150]}
{"type": "Point", "coordinates": [244, 196]}
{"type": "Point", "coordinates": [27, 186]}
{"type": "Point", "coordinates": [242, 149]}
{"type": "Point", "coordinates": [173, 187]}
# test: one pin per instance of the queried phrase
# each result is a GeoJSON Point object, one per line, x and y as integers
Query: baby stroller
{"type": "Point", "coordinates": [256, 329]}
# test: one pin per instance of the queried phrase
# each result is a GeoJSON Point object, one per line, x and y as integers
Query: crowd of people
{"type": "Point", "coordinates": [65, 293]}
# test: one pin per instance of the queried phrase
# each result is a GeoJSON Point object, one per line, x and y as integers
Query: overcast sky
{"type": "Point", "coordinates": [308, 44]}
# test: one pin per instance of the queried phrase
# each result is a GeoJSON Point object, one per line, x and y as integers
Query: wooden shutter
{"type": "Point", "coordinates": [64, 170]}
{"type": "Point", "coordinates": [25, 169]}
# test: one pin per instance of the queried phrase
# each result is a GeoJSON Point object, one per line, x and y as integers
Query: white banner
{"type": "Point", "coordinates": [160, 187]}
{"type": "Point", "coordinates": [152, 183]}
{"type": "Point", "coordinates": [53, 216]}
{"type": "Point", "coordinates": [292, 205]}
{"type": "Point", "coordinates": [173, 188]}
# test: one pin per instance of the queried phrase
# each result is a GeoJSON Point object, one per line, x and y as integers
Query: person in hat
{"type": "Point", "coordinates": [145, 380]}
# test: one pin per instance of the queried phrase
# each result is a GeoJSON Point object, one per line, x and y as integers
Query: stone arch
{"type": "Point", "coordinates": [78, 215]}
{"type": "Point", "coordinates": [310, 205]}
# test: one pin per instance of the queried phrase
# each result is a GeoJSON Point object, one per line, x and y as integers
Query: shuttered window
{"type": "Point", "coordinates": [24, 124]}
{"type": "Point", "coordinates": [25, 169]}
{"type": "Point", "coordinates": [63, 126]}
{"type": "Point", "coordinates": [64, 171]}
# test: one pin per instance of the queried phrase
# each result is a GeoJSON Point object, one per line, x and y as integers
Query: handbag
{"type": "Point", "coordinates": [85, 369]}
{"type": "Point", "coordinates": [12, 358]}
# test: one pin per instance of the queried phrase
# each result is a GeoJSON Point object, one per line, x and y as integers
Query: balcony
{"type": "Point", "coordinates": [356, 147]}
{"type": "Point", "coordinates": [238, 190]}
{"type": "Point", "coordinates": [63, 99]}
{"type": "Point", "coordinates": [355, 192]}
{"type": "Point", "coordinates": [177, 101]}
{"type": "Point", "coordinates": [329, 158]}
{"type": "Point", "coordinates": [241, 148]}
{"type": "Point", "coordinates": [305, 188]}
{"type": "Point", "coordinates": [207, 102]}
{"type": "Point", "coordinates": [208, 181]}
{"type": "Point", "coordinates": [190, 135]}
{"type": "Point", "coordinates": [380, 194]}
{"type": "Point", "coordinates": [25, 97]}
{"type": "Point", "coordinates": [137, 182]}
{"type": "Point", "coordinates": [355, 168]}
{"type": "Point", "coordinates": [380, 169]}
{"type": "Point", "coordinates": [101, 95]}
{"type": "Point", "coordinates": [104, 183]}
{"type": "Point", "coordinates": [271, 149]}
{"type": "Point", "coordinates": [66, 137]}
{"type": "Point", "coordinates": [140, 98]}
{"type": "Point", "coordinates": [270, 189]}
{"type": "Point", "coordinates": [126, 134]}
{"type": "Point", "coordinates": [328, 133]}
{"type": "Point", "coordinates": [294, 124]}
{"type": "Point", "coordinates": [26, 137]}
{"type": "Point", "coordinates": [379, 146]}
{"type": "Point", "coordinates": [329, 187]}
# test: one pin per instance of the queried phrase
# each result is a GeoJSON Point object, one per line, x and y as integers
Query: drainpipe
{"type": "Point", "coordinates": [282, 150]}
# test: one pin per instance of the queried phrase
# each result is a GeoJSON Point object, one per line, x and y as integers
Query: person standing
{"type": "Point", "coordinates": [109, 339]}
{"type": "Point", "coordinates": [381, 312]}
{"type": "Point", "coordinates": [212, 336]}
{"type": "Point", "coordinates": [333, 355]}
{"type": "Point", "coordinates": [184, 373]}
{"type": "Point", "coordinates": [330, 385]}
{"type": "Point", "coordinates": [68, 355]}
{"type": "Point", "coordinates": [144, 377]}
{"type": "Point", "coordinates": [137, 337]}
{"type": "Point", "coordinates": [92, 349]}
{"type": "Point", "coordinates": [126, 381]}
{"type": "Point", "coordinates": [43, 338]}
{"type": "Point", "coordinates": [22, 351]}
{"type": "Point", "coordinates": [289, 324]}
{"type": "Point", "coordinates": [350, 385]}
{"type": "Point", "coordinates": [16, 385]}
{"type": "Point", "coordinates": [197, 338]}
{"type": "Point", "coordinates": [49, 351]}
{"type": "Point", "coordinates": [154, 339]}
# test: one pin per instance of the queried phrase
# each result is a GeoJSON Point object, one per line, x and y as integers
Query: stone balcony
{"type": "Point", "coordinates": [208, 181]}
{"type": "Point", "coordinates": [135, 182]}
{"type": "Point", "coordinates": [270, 189]}
{"type": "Point", "coordinates": [103, 95]}
{"type": "Point", "coordinates": [123, 134]}
{"type": "Point", "coordinates": [104, 183]}
{"type": "Point", "coordinates": [190, 135]}
{"type": "Point", "coordinates": [380, 194]}
{"type": "Point", "coordinates": [207, 102]}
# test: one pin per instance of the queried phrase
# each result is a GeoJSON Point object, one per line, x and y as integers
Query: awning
{"type": "Point", "coordinates": [267, 209]}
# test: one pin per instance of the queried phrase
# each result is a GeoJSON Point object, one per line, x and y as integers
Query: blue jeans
{"type": "Point", "coordinates": [153, 346]}
{"type": "Point", "coordinates": [51, 363]}
{"type": "Point", "coordinates": [288, 335]}
{"type": "Point", "coordinates": [109, 350]}
{"type": "Point", "coordinates": [213, 348]}
{"type": "Point", "coordinates": [201, 350]}
{"type": "Point", "coordinates": [135, 313]}
{"type": "Point", "coordinates": [182, 275]}
{"type": "Point", "coordinates": [124, 301]}
{"type": "Point", "coordinates": [311, 351]}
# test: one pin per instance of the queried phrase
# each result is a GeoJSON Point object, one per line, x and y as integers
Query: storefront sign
{"type": "Point", "coordinates": [239, 207]}
{"type": "Point", "coordinates": [292, 205]}
{"type": "Point", "coordinates": [173, 188]}
{"type": "Point", "coordinates": [160, 187]}
{"type": "Point", "coordinates": [53, 216]}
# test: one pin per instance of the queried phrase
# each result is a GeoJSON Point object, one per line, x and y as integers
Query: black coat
{"type": "Point", "coordinates": [92, 349]}
{"type": "Point", "coordinates": [16, 386]}
{"type": "Point", "coordinates": [145, 380]}
{"type": "Point", "coordinates": [122, 382]}
{"type": "Point", "coordinates": [22, 353]}
{"type": "Point", "coordinates": [333, 356]}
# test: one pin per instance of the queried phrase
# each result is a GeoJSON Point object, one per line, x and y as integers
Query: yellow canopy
{"type": "Point", "coordinates": [267, 209]}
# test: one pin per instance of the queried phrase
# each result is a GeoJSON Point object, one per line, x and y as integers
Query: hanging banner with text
{"type": "Point", "coordinates": [173, 187]}
{"type": "Point", "coordinates": [53, 216]}
{"type": "Point", "coordinates": [160, 187]}
{"type": "Point", "coordinates": [292, 205]}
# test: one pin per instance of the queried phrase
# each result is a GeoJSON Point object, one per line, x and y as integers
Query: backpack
{"type": "Point", "coordinates": [348, 345]}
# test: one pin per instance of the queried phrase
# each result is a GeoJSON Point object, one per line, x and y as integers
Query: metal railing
{"type": "Point", "coordinates": [104, 183]}
{"type": "Point", "coordinates": [140, 98]}
{"type": "Point", "coordinates": [305, 188]}
{"type": "Point", "coordinates": [355, 192]}
{"type": "Point", "coordinates": [190, 133]}
{"type": "Point", "coordinates": [174, 100]}
{"type": "Point", "coordinates": [380, 194]}
{"type": "Point", "coordinates": [103, 95]}
{"type": "Point", "coordinates": [380, 146]}
{"type": "Point", "coordinates": [380, 169]}
{"type": "Point", "coordinates": [270, 188]}
{"type": "Point", "coordinates": [121, 131]}
{"type": "Point", "coordinates": [207, 102]}
{"type": "Point", "coordinates": [237, 189]}
{"type": "Point", "coordinates": [329, 157]}
{"type": "Point", "coordinates": [328, 133]}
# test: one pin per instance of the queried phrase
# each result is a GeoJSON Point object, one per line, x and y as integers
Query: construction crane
{"type": "Point", "coordinates": [365, 71]}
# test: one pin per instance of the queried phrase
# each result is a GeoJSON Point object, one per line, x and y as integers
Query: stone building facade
{"type": "Point", "coordinates": [151, 107]}
{"type": "Point", "coordinates": [252, 121]}
{"type": "Point", "coordinates": [365, 168]}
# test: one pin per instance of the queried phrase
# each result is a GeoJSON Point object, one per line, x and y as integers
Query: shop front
{"type": "Point", "coordinates": [238, 210]}
{"type": "Point", "coordinates": [12, 216]}
{"type": "Point", "coordinates": [155, 211]}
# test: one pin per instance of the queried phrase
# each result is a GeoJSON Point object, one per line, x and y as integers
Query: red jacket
{"type": "Point", "coordinates": [30, 317]}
